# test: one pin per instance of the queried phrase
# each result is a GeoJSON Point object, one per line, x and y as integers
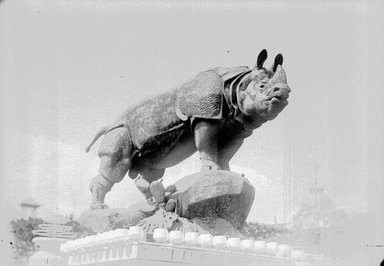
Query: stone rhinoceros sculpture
{"type": "Point", "coordinates": [212, 113]}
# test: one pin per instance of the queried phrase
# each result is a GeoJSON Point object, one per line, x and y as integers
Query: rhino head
{"type": "Point", "coordinates": [264, 93]}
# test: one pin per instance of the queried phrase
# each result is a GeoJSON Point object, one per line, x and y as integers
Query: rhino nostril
{"type": "Point", "coordinates": [275, 89]}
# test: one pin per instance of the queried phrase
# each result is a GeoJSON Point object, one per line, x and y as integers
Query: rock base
{"type": "Point", "coordinates": [107, 219]}
{"type": "Point", "coordinates": [217, 201]}
{"type": "Point", "coordinates": [216, 194]}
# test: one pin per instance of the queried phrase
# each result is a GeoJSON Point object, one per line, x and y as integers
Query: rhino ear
{"type": "Point", "coordinates": [261, 59]}
{"type": "Point", "coordinates": [278, 61]}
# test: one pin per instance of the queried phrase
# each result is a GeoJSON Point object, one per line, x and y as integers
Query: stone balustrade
{"type": "Point", "coordinates": [125, 246]}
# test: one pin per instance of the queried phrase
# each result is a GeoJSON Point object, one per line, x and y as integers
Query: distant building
{"type": "Point", "coordinates": [316, 209]}
{"type": "Point", "coordinates": [29, 208]}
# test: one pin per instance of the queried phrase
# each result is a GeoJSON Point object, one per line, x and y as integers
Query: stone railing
{"type": "Point", "coordinates": [130, 247]}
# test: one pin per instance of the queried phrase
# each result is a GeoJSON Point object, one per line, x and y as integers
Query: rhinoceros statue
{"type": "Point", "coordinates": [212, 113]}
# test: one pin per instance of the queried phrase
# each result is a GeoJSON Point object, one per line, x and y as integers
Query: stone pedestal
{"type": "Point", "coordinates": [214, 194]}
{"type": "Point", "coordinates": [217, 201]}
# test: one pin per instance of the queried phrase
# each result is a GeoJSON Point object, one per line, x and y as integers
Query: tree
{"type": "Point", "coordinates": [78, 229]}
{"type": "Point", "coordinates": [22, 232]}
{"type": "Point", "coordinates": [260, 231]}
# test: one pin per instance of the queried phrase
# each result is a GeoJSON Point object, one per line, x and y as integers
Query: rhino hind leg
{"type": "Point", "coordinates": [99, 187]}
{"type": "Point", "coordinates": [111, 172]}
{"type": "Point", "coordinates": [115, 160]}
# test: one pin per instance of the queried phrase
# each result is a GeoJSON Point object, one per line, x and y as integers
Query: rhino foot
{"type": "Point", "coordinates": [170, 188]}
{"type": "Point", "coordinates": [158, 191]}
{"type": "Point", "coordinates": [170, 206]}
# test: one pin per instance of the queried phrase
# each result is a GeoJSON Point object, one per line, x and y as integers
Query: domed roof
{"type": "Point", "coordinates": [29, 202]}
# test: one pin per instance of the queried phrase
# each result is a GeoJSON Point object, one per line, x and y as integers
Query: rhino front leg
{"type": "Point", "coordinates": [206, 139]}
{"type": "Point", "coordinates": [229, 144]}
{"type": "Point", "coordinates": [227, 151]}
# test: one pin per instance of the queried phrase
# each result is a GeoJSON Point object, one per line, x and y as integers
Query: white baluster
{"type": "Point", "coordinates": [298, 254]}
{"type": "Point", "coordinates": [104, 257]}
{"type": "Point", "coordinates": [122, 241]}
{"type": "Point", "coordinates": [135, 233]}
{"type": "Point", "coordinates": [125, 252]}
{"type": "Point", "coordinates": [160, 235]}
{"type": "Point", "coordinates": [284, 251]}
{"type": "Point", "coordinates": [176, 237]}
{"type": "Point", "coordinates": [191, 238]}
{"type": "Point", "coordinates": [81, 259]}
{"type": "Point", "coordinates": [272, 248]}
{"type": "Point", "coordinates": [219, 242]}
{"type": "Point", "coordinates": [234, 243]}
{"type": "Point", "coordinates": [247, 245]}
{"type": "Point", "coordinates": [260, 246]}
{"type": "Point", "coordinates": [87, 258]}
{"type": "Point", "coordinates": [205, 240]}
{"type": "Point", "coordinates": [70, 260]}
{"type": "Point", "coordinates": [116, 251]}
{"type": "Point", "coordinates": [99, 247]}
{"type": "Point", "coordinates": [75, 259]}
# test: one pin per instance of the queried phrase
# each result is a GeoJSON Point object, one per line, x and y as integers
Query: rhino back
{"type": "Point", "coordinates": [154, 122]}
{"type": "Point", "coordinates": [227, 73]}
{"type": "Point", "coordinates": [201, 97]}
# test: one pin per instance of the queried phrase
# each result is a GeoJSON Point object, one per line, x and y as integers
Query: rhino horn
{"type": "Point", "coordinates": [278, 61]}
{"type": "Point", "coordinates": [261, 59]}
{"type": "Point", "coordinates": [279, 76]}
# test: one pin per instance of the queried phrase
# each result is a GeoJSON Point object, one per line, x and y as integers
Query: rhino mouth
{"type": "Point", "coordinates": [282, 98]}
{"type": "Point", "coordinates": [280, 94]}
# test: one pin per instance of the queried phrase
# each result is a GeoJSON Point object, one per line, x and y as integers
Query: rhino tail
{"type": "Point", "coordinates": [102, 131]}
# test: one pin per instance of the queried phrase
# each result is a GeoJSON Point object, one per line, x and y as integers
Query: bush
{"type": "Point", "coordinates": [22, 232]}
{"type": "Point", "coordinates": [78, 229]}
{"type": "Point", "coordinates": [260, 231]}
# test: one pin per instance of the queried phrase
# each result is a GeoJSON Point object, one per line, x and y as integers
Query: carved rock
{"type": "Point", "coordinates": [217, 201]}
{"type": "Point", "coordinates": [102, 220]}
{"type": "Point", "coordinates": [214, 194]}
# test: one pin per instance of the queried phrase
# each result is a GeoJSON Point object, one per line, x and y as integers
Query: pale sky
{"type": "Point", "coordinates": [69, 67]}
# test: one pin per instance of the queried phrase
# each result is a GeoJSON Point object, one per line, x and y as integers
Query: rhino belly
{"type": "Point", "coordinates": [180, 152]}
{"type": "Point", "coordinates": [167, 153]}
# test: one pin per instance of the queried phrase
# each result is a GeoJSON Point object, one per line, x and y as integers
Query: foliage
{"type": "Point", "coordinates": [22, 231]}
{"type": "Point", "coordinates": [78, 229]}
{"type": "Point", "coordinates": [114, 221]}
{"type": "Point", "coordinates": [261, 231]}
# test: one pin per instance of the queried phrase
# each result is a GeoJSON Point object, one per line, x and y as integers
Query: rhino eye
{"type": "Point", "coordinates": [262, 88]}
